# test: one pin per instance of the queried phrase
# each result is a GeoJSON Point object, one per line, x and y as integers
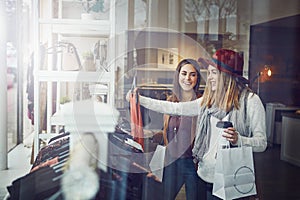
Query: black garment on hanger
{"type": "Point", "coordinates": [122, 156]}
{"type": "Point", "coordinates": [61, 135]}
{"type": "Point", "coordinates": [39, 184]}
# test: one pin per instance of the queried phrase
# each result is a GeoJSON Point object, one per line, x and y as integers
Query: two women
{"type": "Point", "coordinates": [226, 97]}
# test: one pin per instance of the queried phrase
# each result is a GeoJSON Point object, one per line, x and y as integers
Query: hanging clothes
{"type": "Point", "coordinates": [136, 120]}
{"type": "Point", "coordinates": [39, 184]}
{"type": "Point", "coordinates": [52, 150]}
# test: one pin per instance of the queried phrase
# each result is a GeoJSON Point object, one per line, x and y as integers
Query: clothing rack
{"type": "Point", "coordinates": [44, 181]}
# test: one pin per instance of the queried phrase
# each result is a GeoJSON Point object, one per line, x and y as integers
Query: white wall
{"type": "Point", "coordinates": [267, 10]}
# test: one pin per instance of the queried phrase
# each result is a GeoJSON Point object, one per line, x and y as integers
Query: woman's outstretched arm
{"type": "Point", "coordinates": [190, 108]}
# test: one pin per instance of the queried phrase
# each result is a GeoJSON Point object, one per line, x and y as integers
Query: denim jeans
{"type": "Point", "coordinates": [182, 171]}
{"type": "Point", "coordinates": [209, 187]}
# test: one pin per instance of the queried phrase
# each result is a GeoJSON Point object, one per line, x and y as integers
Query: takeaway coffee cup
{"type": "Point", "coordinates": [223, 125]}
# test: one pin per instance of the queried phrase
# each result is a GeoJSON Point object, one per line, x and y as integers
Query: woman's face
{"type": "Point", "coordinates": [187, 77]}
{"type": "Point", "coordinates": [213, 74]}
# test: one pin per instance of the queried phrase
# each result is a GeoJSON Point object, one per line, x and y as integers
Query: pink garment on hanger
{"type": "Point", "coordinates": [136, 120]}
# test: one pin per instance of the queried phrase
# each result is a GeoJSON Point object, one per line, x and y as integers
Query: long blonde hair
{"type": "Point", "coordinates": [227, 94]}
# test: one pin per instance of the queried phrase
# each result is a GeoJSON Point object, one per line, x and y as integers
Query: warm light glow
{"type": "Point", "coordinates": [269, 72]}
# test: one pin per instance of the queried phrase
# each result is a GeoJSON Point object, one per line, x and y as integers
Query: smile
{"type": "Point", "coordinates": [187, 83]}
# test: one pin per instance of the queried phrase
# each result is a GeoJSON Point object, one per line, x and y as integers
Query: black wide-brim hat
{"type": "Point", "coordinates": [227, 61]}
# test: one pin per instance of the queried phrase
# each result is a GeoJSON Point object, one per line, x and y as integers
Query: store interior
{"type": "Point", "coordinates": [75, 61]}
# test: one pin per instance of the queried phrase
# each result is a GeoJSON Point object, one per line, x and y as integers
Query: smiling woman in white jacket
{"type": "Point", "coordinates": [226, 97]}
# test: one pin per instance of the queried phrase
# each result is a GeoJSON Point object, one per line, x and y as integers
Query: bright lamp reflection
{"type": "Point", "coordinates": [268, 70]}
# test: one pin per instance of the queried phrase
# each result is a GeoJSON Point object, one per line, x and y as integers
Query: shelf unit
{"type": "Point", "coordinates": [161, 78]}
{"type": "Point", "coordinates": [274, 112]}
{"type": "Point", "coordinates": [77, 27]}
{"type": "Point", "coordinates": [46, 27]}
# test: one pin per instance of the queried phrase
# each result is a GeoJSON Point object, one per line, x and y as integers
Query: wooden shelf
{"type": "Point", "coordinates": [156, 86]}
{"type": "Point", "coordinates": [155, 69]}
{"type": "Point", "coordinates": [73, 76]}
{"type": "Point", "coordinates": [78, 27]}
{"type": "Point", "coordinates": [57, 119]}
{"type": "Point", "coordinates": [161, 69]}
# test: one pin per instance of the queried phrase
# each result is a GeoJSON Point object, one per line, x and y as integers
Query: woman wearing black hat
{"type": "Point", "coordinates": [226, 97]}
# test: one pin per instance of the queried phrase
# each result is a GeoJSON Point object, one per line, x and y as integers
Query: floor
{"type": "Point", "coordinates": [18, 160]}
{"type": "Point", "coordinates": [276, 179]}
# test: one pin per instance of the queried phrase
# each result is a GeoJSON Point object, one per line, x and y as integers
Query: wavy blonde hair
{"type": "Point", "coordinates": [227, 94]}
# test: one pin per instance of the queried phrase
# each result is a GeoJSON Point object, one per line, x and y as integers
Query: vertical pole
{"type": "Point", "coordinates": [20, 29]}
{"type": "Point", "coordinates": [3, 88]}
{"type": "Point", "coordinates": [36, 39]}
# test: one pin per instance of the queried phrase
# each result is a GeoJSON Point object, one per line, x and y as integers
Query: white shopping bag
{"type": "Point", "coordinates": [157, 162]}
{"type": "Point", "coordinates": [234, 173]}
